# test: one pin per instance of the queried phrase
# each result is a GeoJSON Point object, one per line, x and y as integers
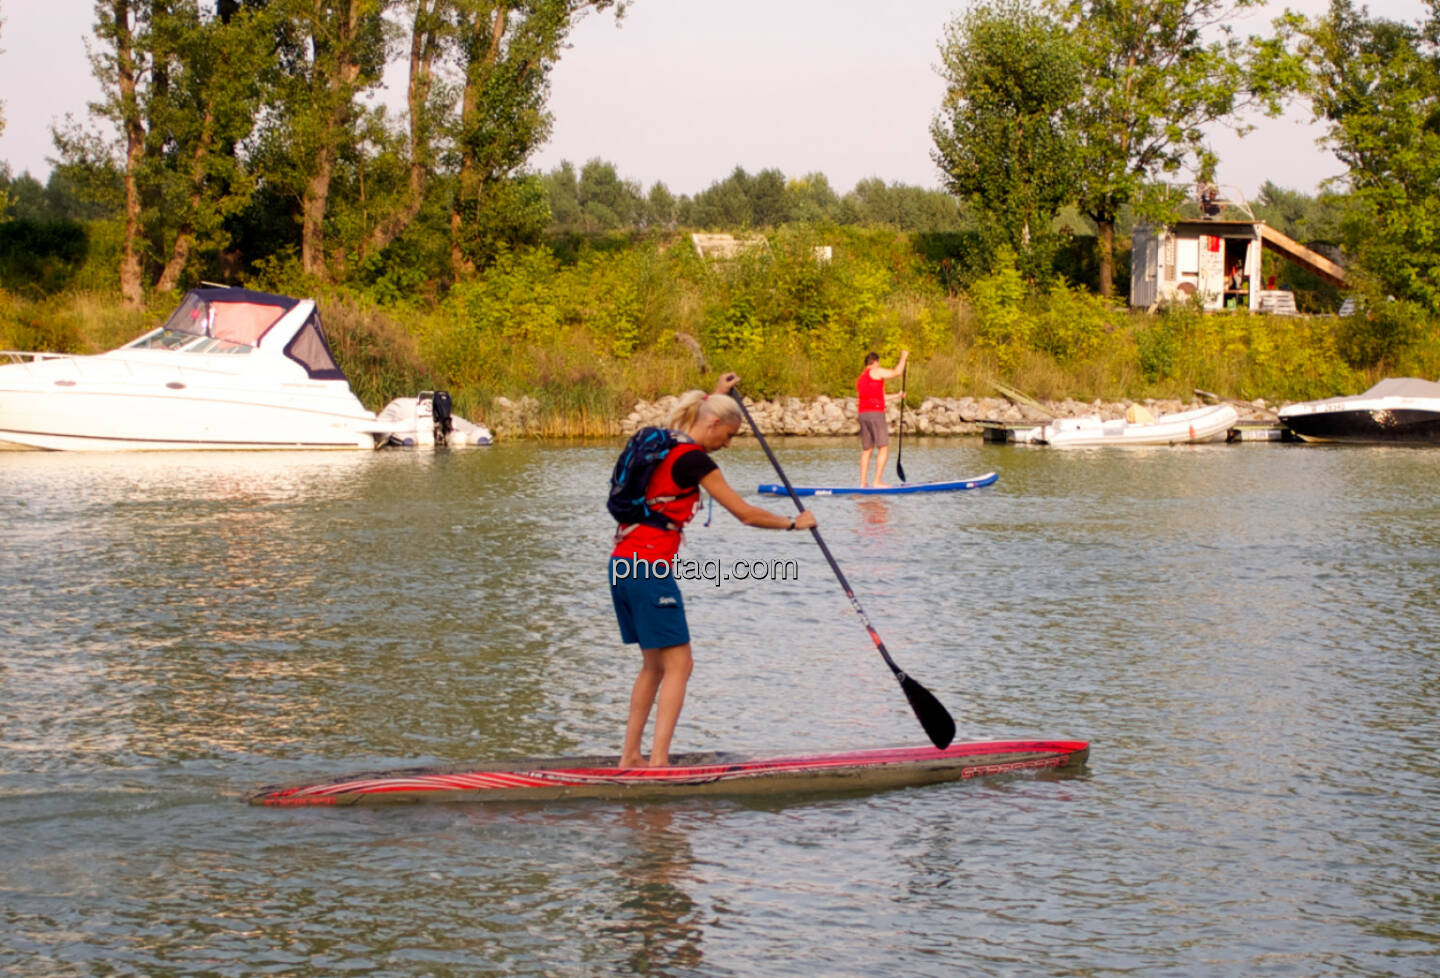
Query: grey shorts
{"type": "Point", "coordinates": [874, 433]}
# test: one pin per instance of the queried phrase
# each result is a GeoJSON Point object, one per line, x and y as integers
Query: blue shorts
{"type": "Point", "coordinates": [648, 607]}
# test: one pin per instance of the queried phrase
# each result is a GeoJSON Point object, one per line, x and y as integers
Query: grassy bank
{"type": "Point", "coordinates": [587, 327]}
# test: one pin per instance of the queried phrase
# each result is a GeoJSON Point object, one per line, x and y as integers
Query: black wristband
{"type": "Point", "coordinates": [792, 524]}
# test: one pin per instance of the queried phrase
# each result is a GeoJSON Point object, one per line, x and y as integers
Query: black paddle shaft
{"type": "Point", "coordinates": [938, 724]}
{"type": "Point", "coordinates": [900, 447]}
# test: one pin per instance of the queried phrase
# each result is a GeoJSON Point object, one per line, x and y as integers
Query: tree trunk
{"type": "Point", "coordinates": [131, 289]}
{"type": "Point", "coordinates": [424, 45]}
{"type": "Point", "coordinates": [312, 211]}
{"type": "Point", "coordinates": [185, 235]}
{"type": "Point", "coordinates": [1105, 246]}
{"type": "Point", "coordinates": [471, 179]}
{"type": "Point", "coordinates": [336, 72]}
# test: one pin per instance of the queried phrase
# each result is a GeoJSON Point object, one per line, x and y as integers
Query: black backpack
{"type": "Point", "coordinates": [633, 469]}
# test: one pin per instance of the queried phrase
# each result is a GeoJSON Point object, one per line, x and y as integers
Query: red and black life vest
{"type": "Point", "coordinates": [677, 505]}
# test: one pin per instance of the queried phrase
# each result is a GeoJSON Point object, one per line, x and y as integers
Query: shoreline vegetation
{"type": "Point", "coordinates": [573, 338]}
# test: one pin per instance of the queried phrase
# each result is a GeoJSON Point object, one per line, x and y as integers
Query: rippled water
{"type": "Point", "coordinates": [1244, 633]}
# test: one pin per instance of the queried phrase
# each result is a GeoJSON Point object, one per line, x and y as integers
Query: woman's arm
{"type": "Point", "coordinates": [720, 491]}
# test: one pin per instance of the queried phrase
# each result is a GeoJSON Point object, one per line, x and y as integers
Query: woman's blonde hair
{"type": "Point", "coordinates": [697, 405]}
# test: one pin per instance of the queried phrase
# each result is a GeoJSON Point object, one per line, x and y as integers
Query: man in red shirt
{"type": "Point", "coordinates": [874, 432]}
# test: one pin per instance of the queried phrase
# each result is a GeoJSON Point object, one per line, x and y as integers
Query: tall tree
{"type": "Point", "coordinates": [431, 30]}
{"type": "Point", "coordinates": [331, 51]}
{"type": "Point", "coordinates": [606, 201]}
{"type": "Point", "coordinates": [121, 29]}
{"type": "Point", "coordinates": [181, 87]}
{"type": "Point", "coordinates": [506, 50]}
{"type": "Point", "coordinates": [211, 69]}
{"type": "Point", "coordinates": [1376, 85]}
{"type": "Point", "coordinates": [1156, 76]}
{"type": "Point", "coordinates": [1005, 136]}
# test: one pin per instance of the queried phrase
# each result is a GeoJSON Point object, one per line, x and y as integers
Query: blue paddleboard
{"type": "Point", "coordinates": [771, 489]}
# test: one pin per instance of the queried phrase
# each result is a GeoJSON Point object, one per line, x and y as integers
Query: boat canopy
{"type": "Point", "coordinates": [243, 317]}
{"type": "Point", "coordinates": [1404, 387]}
{"type": "Point", "coordinates": [233, 315]}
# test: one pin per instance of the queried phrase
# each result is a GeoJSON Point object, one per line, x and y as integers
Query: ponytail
{"type": "Point", "coordinates": [697, 405]}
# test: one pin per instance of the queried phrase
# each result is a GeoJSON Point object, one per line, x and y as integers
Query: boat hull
{"type": "Point", "coordinates": [1368, 426]}
{"type": "Point", "coordinates": [690, 775]}
{"type": "Point", "coordinates": [775, 489]}
{"type": "Point", "coordinates": [1397, 410]}
{"type": "Point", "coordinates": [128, 407]}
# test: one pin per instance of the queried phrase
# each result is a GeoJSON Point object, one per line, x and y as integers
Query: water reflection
{"type": "Point", "coordinates": [655, 917]}
{"type": "Point", "coordinates": [874, 515]}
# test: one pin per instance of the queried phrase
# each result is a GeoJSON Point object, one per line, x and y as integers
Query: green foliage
{"type": "Point", "coordinates": [1071, 324]}
{"type": "Point", "coordinates": [378, 354]}
{"type": "Point", "coordinates": [1156, 76]}
{"type": "Point", "coordinates": [733, 328]}
{"type": "Point", "coordinates": [513, 213]}
{"type": "Point", "coordinates": [1159, 341]}
{"type": "Point", "coordinates": [1376, 83]}
{"type": "Point", "coordinates": [1006, 137]}
{"type": "Point", "coordinates": [1379, 331]}
{"type": "Point", "coordinates": [1292, 358]}
{"type": "Point", "coordinates": [1003, 326]}
{"type": "Point", "coordinates": [41, 258]}
{"type": "Point", "coordinates": [620, 318]}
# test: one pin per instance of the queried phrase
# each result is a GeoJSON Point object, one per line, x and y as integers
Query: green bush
{"type": "Point", "coordinates": [1071, 324]}
{"type": "Point", "coordinates": [1379, 331]}
{"type": "Point", "coordinates": [1003, 326]}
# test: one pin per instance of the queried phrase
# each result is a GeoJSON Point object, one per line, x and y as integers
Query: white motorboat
{"type": "Point", "coordinates": [230, 369]}
{"type": "Point", "coordinates": [1199, 425]}
{"type": "Point", "coordinates": [1398, 410]}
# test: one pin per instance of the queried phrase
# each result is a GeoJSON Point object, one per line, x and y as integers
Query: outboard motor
{"type": "Point", "coordinates": [443, 423]}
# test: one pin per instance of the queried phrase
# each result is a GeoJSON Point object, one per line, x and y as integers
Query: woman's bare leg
{"type": "Point", "coordinates": [666, 672]}
{"type": "Point", "coordinates": [676, 665]}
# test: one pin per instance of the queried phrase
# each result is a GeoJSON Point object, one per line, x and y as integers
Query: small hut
{"type": "Point", "coordinates": [1216, 257]}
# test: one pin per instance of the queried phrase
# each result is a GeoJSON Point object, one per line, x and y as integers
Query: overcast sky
{"type": "Point", "coordinates": [683, 91]}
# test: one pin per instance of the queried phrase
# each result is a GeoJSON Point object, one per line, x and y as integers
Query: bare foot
{"type": "Point", "coordinates": [636, 761]}
{"type": "Point", "coordinates": [882, 485]}
{"type": "Point", "coordinates": [659, 761]}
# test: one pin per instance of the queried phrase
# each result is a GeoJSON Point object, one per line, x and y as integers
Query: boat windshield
{"type": "Point", "coordinates": [169, 339]}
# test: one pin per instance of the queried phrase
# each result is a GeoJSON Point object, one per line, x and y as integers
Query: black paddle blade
{"type": "Point", "coordinates": [900, 470]}
{"type": "Point", "coordinates": [939, 725]}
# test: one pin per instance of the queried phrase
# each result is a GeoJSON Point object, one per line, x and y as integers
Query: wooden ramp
{"type": "Point", "coordinates": [1293, 250]}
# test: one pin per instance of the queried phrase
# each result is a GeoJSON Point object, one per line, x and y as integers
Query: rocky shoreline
{"type": "Point", "coordinates": [935, 415]}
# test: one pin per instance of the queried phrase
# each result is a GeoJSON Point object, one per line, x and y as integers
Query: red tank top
{"type": "Point", "coordinates": [871, 391]}
{"type": "Point", "coordinates": [645, 542]}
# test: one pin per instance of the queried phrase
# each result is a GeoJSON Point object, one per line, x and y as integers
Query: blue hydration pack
{"type": "Point", "coordinates": [633, 469]}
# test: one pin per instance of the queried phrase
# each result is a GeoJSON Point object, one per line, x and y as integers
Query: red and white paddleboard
{"type": "Point", "coordinates": [690, 774]}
